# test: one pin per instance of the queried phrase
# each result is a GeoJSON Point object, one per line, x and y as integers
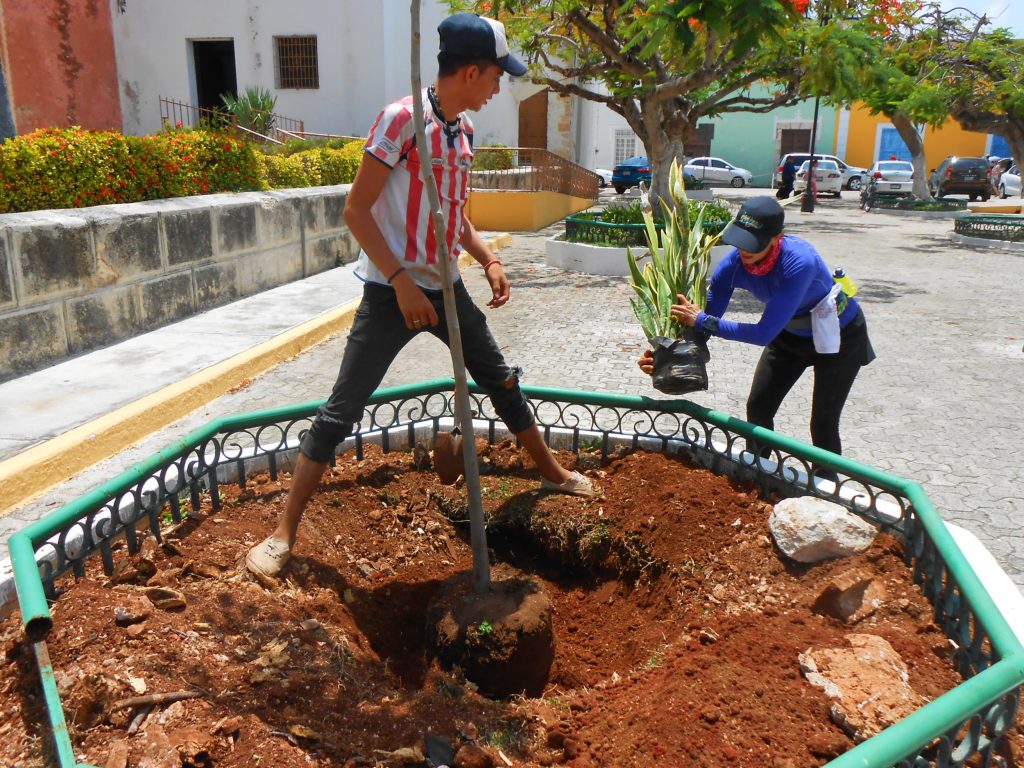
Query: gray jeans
{"type": "Point", "coordinates": [378, 334]}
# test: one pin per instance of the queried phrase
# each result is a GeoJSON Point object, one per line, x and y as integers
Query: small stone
{"type": "Point", "coordinates": [165, 598]}
{"type": "Point", "coordinates": [851, 596]}
{"type": "Point", "coordinates": [132, 610]}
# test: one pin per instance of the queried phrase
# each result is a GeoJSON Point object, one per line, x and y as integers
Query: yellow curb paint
{"type": "Point", "coordinates": [34, 471]}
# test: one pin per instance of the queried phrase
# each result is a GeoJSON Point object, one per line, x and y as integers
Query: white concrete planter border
{"type": "Point", "coordinates": [921, 214]}
{"type": "Point", "coordinates": [603, 260]}
{"type": "Point", "coordinates": [985, 242]}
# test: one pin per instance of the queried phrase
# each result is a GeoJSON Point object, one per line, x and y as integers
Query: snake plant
{"type": "Point", "coordinates": [680, 265]}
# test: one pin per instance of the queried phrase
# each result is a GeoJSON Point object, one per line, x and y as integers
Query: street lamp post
{"type": "Point", "coordinates": [807, 203]}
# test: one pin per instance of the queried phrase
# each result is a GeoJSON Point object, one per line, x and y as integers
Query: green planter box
{"type": "Point", "coordinates": [948, 731]}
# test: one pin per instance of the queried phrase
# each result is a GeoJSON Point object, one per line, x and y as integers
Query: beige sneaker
{"type": "Point", "coordinates": [577, 485]}
{"type": "Point", "coordinates": [268, 557]}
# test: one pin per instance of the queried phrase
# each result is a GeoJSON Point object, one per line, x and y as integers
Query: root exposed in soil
{"type": "Point", "coordinates": [677, 628]}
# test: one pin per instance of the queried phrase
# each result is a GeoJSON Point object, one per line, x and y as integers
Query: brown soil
{"type": "Point", "coordinates": [677, 626]}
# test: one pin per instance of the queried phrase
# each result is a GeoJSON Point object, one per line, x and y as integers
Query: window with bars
{"type": "Point", "coordinates": [625, 144]}
{"type": "Point", "coordinates": [297, 65]}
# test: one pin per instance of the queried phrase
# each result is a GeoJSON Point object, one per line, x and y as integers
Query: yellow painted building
{"type": "Point", "coordinates": [861, 138]}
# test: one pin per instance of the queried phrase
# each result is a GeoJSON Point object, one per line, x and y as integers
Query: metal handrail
{"type": "Point", "coordinates": [184, 115]}
{"type": "Point", "coordinates": [528, 169]}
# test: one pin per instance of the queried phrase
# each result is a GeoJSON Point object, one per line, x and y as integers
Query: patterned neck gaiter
{"type": "Point", "coordinates": [767, 264]}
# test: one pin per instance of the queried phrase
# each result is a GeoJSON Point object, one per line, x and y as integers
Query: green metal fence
{"type": "Point", "coordinates": [1006, 227]}
{"type": "Point", "coordinates": [902, 203]}
{"type": "Point", "coordinates": [963, 724]}
{"type": "Point", "coordinates": [581, 229]}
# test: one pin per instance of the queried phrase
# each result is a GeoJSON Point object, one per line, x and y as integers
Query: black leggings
{"type": "Point", "coordinates": [783, 362]}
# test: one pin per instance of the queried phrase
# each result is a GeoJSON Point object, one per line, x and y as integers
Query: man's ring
{"type": "Point", "coordinates": [416, 322]}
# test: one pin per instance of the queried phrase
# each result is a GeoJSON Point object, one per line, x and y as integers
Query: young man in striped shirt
{"type": "Point", "coordinates": [389, 214]}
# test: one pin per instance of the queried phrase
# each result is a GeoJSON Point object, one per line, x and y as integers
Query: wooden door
{"type": "Point", "coordinates": [533, 121]}
{"type": "Point", "coordinates": [794, 140]}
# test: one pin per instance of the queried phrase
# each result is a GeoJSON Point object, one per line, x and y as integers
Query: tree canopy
{"type": "Point", "coordinates": [660, 64]}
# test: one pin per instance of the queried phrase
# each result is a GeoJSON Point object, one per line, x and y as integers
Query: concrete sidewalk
{"type": "Point", "coordinates": [940, 405]}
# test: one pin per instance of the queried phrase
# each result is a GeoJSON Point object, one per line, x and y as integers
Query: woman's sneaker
{"type": "Point", "coordinates": [268, 557]}
{"type": "Point", "coordinates": [577, 485]}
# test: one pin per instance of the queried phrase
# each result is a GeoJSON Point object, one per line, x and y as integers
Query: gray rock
{"type": "Point", "coordinates": [808, 529]}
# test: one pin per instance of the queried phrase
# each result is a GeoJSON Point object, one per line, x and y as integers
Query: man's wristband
{"type": "Point", "coordinates": [492, 261]}
{"type": "Point", "coordinates": [396, 273]}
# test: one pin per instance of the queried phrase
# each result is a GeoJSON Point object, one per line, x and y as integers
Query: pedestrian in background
{"type": "Point", "coordinates": [788, 178]}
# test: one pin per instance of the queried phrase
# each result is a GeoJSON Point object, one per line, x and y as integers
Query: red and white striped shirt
{"type": "Point", "coordinates": [402, 211]}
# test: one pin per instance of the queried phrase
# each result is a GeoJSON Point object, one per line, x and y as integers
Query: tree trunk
{"type": "Point", "coordinates": [660, 154]}
{"type": "Point", "coordinates": [1014, 135]}
{"type": "Point", "coordinates": [1010, 127]}
{"type": "Point", "coordinates": [912, 139]}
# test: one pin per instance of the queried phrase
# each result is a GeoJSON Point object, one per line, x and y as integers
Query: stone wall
{"type": "Point", "coordinates": [75, 280]}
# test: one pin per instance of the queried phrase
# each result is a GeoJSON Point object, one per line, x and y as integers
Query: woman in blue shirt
{"type": "Point", "coordinates": [791, 278]}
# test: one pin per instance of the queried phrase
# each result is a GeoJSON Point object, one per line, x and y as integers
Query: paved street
{"type": "Point", "coordinates": [940, 405]}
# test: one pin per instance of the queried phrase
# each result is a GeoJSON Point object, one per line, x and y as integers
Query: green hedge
{"type": "Point", "coordinates": [313, 167]}
{"type": "Point", "coordinates": [73, 168]}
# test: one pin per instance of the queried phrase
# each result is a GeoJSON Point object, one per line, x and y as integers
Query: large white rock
{"type": "Point", "coordinates": [809, 529]}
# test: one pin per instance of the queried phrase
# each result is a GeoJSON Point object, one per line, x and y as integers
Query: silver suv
{"type": "Point", "coordinates": [853, 177]}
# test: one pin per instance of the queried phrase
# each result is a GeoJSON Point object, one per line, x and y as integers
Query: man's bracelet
{"type": "Point", "coordinates": [492, 261]}
{"type": "Point", "coordinates": [396, 273]}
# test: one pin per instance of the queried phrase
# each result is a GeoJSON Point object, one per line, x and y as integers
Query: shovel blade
{"type": "Point", "coordinates": [448, 460]}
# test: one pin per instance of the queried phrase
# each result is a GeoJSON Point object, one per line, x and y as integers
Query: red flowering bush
{"type": "Point", "coordinates": [72, 168]}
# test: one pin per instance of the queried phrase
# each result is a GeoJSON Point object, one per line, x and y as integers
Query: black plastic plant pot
{"type": "Point", "coordinates": [680, 364]}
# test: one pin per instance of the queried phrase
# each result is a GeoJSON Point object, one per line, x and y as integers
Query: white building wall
{"type": "Point", "coordinates": [363, 50]}
{"type": "Point", "coordinates": [597, 128]}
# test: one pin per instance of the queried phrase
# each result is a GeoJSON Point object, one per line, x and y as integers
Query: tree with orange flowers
{"type": "Point", "coordinates": [661, 64]}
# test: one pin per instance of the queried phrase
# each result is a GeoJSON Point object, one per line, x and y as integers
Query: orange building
{"type": "Point", "coordinates": [862, 138]}
{"type": "Point", "coordinates": [58, 63]}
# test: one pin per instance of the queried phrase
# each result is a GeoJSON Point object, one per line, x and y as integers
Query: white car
{"type": "Point", "coordinates": [605, 177]}
{"type": "Point", "coordinates": [715, 170]}
{"type": "Point", "coordinates": [828, 177]}
{"type": "Point", "coordinates": [1009, 182]}
{"type": "Point", "coordinates": [893, 177]}
{"type": "Point", "coordinates": [853, 176]}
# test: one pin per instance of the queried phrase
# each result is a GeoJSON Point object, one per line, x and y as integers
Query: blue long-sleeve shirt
{"type": "Point", "coordinates": [799, 280]}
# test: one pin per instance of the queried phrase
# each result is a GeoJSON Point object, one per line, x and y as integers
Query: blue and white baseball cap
{"type": "Point", "coordinates": [469, 36]}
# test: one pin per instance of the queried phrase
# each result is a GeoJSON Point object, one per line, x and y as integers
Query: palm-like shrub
{"type": "Point", "coordinates": [253, 109]}
{"type": "Point", "coordinates": [679, 266]}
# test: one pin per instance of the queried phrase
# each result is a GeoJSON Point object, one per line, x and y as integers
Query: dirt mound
{"type": "Point", "coordinates": [677, 629]}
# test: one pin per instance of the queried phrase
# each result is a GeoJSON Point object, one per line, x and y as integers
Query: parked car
{"type": "Point", "coordinates": [893, 177]}
{"type": "Point", "coordinates": [963, 176]}
{"type": "Point", "coordinates": [853, 177]}
{"type": "Point", "coordinates": [604, 177]}
{"type": "Point", "coordinates": [1009, 183]}
{"type": "Point", "coordinates": [630, 172]}
{"type": "Point", "coordinates": [827, 177]}
{"type": "Point", "coordinates": [715, 170]}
